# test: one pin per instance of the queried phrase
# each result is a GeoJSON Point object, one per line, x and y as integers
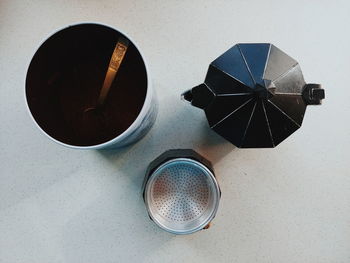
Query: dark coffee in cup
{"type": "Point", "coordinates": [65, 77]}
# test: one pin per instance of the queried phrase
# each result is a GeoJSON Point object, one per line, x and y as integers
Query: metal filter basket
{"type": "Point", "coordinates": [180, 192]}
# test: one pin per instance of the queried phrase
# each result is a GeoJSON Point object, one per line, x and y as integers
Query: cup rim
{"type": "Point", "coordinates": [137, 122]}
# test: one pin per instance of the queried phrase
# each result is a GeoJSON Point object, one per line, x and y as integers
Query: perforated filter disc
{"type": "Point", "coordinates": [182, 196]}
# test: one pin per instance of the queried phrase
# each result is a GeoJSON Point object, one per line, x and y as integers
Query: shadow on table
{"type": "Point", "coordinates": [133, 160]}
{"type": "Point", "coordinates": [166, 136]}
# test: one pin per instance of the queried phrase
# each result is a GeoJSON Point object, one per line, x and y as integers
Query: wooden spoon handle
{"type": "Point", "coordinates": [114, 64]}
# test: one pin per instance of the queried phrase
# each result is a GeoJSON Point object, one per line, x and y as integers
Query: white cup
{"type": "Point", "coordinates": [139, 127]}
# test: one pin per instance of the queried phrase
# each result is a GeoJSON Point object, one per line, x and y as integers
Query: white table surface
{"type": "Point", "coordinates": [288, 204]}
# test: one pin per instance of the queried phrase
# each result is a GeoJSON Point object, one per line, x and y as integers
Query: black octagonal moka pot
{"type": "Point", "coordinates": [254, 95]}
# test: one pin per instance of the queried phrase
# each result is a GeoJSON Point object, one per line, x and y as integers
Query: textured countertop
{"type": "Point", "coordinates": [288, 204]}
